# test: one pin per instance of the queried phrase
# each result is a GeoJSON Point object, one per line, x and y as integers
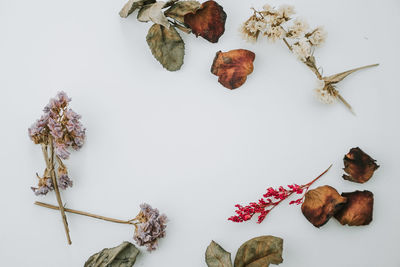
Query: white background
{"type": "Point", "coordinates": [188, 146]}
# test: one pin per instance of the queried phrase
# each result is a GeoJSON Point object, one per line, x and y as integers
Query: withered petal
{"type": "Point", "coordinates": [359, 166]}
{"type": "Point", "coordinates": [233, 67]}
{"type": "Point", "coordinates": [321, 203]}
{"type": "Point", "coordinates": [208, 21]}
{"type": "Point", "coordinates": [358, 209]}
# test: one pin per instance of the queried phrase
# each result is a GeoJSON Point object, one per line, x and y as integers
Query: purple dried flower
{"type": "Point", "coordinates": [151, 228]}
{"type": "Point", "coordinates": [61, 150]}
{"type": "Point", "coordinates": [63, 179]}
{"type": "Point", "coordinates": [45, 185]}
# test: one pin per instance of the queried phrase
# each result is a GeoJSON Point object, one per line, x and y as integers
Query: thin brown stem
{"type": "Point", "coordinates": [346, 103]}
{"type": "Point", "coordinates": [287, 44]}
{"type": "Point", "coordinates": [50, 168]}
{"type": "Point", "coordinates": [85, 213]}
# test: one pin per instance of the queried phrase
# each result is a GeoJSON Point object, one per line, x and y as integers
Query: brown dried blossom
{"type": "Point", "coordinates": [233, 67]}
{"type": "Point", "coordinates": [321, 203]}
{"type": "Point", "coordinates": [359, 166]}
{"type": "Point", "coordinates": [358, 209]}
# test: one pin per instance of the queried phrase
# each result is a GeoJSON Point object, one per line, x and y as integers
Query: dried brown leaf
{"type": "Point", "coordinates": [233, 67]}
{"type": "Point", "coordinates": [208, 21]}
{"type": "Point", "coordinates": [132, 5]}
{"type": "Point", "coordinates": [359, 166]}
{"type": "Point", "coordinates": [154, 13]}
{"type": "Point", "coordinates": [123, 255]}
{"type": "Point", "coordinates": [216, 256]}
{"type": "Point", "coordinates": [340, 76]}
{"type": "Point", "coordinates": [358, 209]}
{"type": "Point", "coordinates": [180, 9]}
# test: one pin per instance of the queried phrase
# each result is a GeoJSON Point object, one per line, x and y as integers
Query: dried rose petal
{"type": "Point", "coordinates": [321, 203]}
{"type": "Point", "coordinates": [358, 209]}
{"type": "Point", "coordinates": [233, 67]}
{"type": "Point", "coordinates": [208, 21]}
{"type": "Point", "coordinates": [359, 166]}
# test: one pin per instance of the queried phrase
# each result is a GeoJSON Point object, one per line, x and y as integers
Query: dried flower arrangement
{"type": "Point", "coordinates": [57, 130]}
{"type": "Point", "coordinates": [206, 20]}
{"type": "Point", "coordinates": [278, 24]}
{"type": "Point", "coordinates": [259, 251]}
{"type": "Point", "coordinates": [149, 224]}
{"type": "Point", "coordinates": [324, 202]}
{"type": "Point", "coordinates": [271, 199]}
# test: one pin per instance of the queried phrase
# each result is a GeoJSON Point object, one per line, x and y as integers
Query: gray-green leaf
{"type": "Point", "coordinates": [260, 252]}
{"type": "Point", "coordinates": [340, 76]}
{"type": "Point", "coordinates": [180, 9]}
{"type": "Point", "coordinates": [122, 256]}
{"type": "Point", "coordinates": [216, 256]}
{"type": "Point", "coordinates": [167, 46]}
{"type": "Point", "coordinates": [132, 5]}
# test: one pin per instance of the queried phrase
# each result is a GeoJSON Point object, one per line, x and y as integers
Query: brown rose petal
{"type": "Point", "coordinates": [321, 203]}
{"type": "Point", "coordinates": [233, 67]}
{"type": "Point", "coordinates": [359, 166]}
{"type": "Point", "coordinates": [208, 21]}
{"type": "Point", "coordinates": [358, 209]}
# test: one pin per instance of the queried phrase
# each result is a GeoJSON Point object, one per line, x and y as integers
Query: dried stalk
{"type": "Point", "coordinates": [49, 206]}
{"type": "Point", "coordinates": [50, 169]}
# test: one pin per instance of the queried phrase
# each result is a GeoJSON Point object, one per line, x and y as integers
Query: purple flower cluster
{"type": "Point", "coordinates": [61, 124]}
{"type": "Point", "coordinates": [151, 228]}
{"type": "Point", "coordinates": [63, 179]}
{"type": "Point", "coordinates": [45, 186]}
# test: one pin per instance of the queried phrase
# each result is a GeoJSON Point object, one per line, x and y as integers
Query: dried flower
{"type": "Point", "coordinates": [359, 166]}
{"type": "Point", "coordinates": [63, 180]}
{"type": "Point", "coordinates": [271, 199]}
{"type": "Point", "coordinates": [317, 37]}
{"type": "Point", "coordinates": [149, 224]}
{"type": "Point", "coordinates": [320, 204]}
{"type": "Point", "coordinates": [298, 28]}
{"type": "Point", "coordinates": [323, 94]}
{"type": "Point", "coordinates": [280, 25]}
{"type": "Point", "coordinates": [358, 209]}
{"type": "Point", "coordinates": [45, 185]}
{"type": "Point", "coordinates": [151, 227]}
{"type": "Point", "coordinates": [302, 49]}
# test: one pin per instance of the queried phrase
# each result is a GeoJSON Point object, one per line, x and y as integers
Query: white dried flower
{"type": "Point", "coordinates": [285, 11]}
{"type": "Point", "coordinates": [298, 28]}
{"type": "Point", "coordinates": [302, 49]}
{"type": "Point", "coordinates": [251, 25]}
{"type": "Point", "coordinates": [268, 8]}
{"type": "Point", "coordinates": [323, 94]}
{"type": "Point", "coordinates": [318, 36]}
{"type": "Point", "coordinates": [275, 33]}
{"type": "Point", "coordinates": [260, 25]}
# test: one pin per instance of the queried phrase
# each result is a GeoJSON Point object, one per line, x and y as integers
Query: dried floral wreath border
{"type": "Point", "coordinates": [278, 24]}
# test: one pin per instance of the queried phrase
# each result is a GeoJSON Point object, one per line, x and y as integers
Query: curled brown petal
{"type": "Point", "coordinates": [358, 209]}
{"type": "Point", "coordinates": [359, 166]}
{"type": "Point", "coordinates": [321, 203]}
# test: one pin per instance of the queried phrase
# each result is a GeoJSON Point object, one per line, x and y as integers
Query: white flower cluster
{"type": "Point", "coordinates": [323, 94]}
{"type": "Point", "coordinates": [277, 24]}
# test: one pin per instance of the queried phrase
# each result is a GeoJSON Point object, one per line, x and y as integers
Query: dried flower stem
{"type": "Point", "coordinates": [50, 169]}
{"type": "Point", "coordinates": [49, 206]}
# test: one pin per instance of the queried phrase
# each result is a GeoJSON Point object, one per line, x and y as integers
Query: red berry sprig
{"type": "Point", "coordinates": [271, 199]}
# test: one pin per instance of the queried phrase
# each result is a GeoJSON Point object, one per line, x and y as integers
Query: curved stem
{"type": "Point", "coordinates": [49, 206]}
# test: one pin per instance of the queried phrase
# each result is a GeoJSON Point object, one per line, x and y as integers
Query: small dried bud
{"type": "Point", "coordinates": [358, 209]}
{"type": "Point", "coordinates": [321, 203]}
{"type": "Point", "coordinates": [359, 166]}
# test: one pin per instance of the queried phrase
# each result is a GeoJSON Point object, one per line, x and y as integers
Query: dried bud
{"type": "Point", "coordinates": [321, 203]}
{"type": "Point", "coordinates": [358, 209]}
{"type": "Point", "coordinates": [359, 166]}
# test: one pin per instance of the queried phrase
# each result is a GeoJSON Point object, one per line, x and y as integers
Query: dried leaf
{"type": "Point", "coordinates": [154, 13]}
{"type": "Point", "coordinates": [358, 209]}
{"type": "Point", "coordinates": [208, 21]}
{"type": "Point", "coordinates": [166, 46]}
{"type": "Point", "coordinates": [132, 5]}
{"type": "Point", "coordinates": [340, 76]}
{"type": "Point", "coordinates": [180, 9]}
{"type": "Point", "coordinates": [216, 256]}
{"type": "Point", "coordinates": [260, 252]}
{"type": "Point", "coordinates": [359, 166]}
{"type": "Point", "coordinates": [233, 67]}
{"type": "Point", "coordinates": [122, 256]}
{"type": "Point", "coordinates": [321, 203]}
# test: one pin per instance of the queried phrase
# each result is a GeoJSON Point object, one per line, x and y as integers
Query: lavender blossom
{"type": "Point", "coordinates": [45, 186]}
{"type": "Point", "coordinates": [64, 182]}
{"type": "Point", "coordinates": [151, 228]}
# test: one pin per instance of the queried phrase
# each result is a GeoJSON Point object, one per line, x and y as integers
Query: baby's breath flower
{"type": "Point", "coordinates": [275, 33]}
{"type": "Point", "coordinates": [323, 94]}
{"type": "Point", "coordinates": [250, 29]}
{"type": "Point", "coordinates": [302, 49]}
{"type": "Point", "coordinates": [285, 11]}
{"type": "Point", "coordinates": [298, 28]}
{"type": "Point", "coordinates": [318, 36]}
